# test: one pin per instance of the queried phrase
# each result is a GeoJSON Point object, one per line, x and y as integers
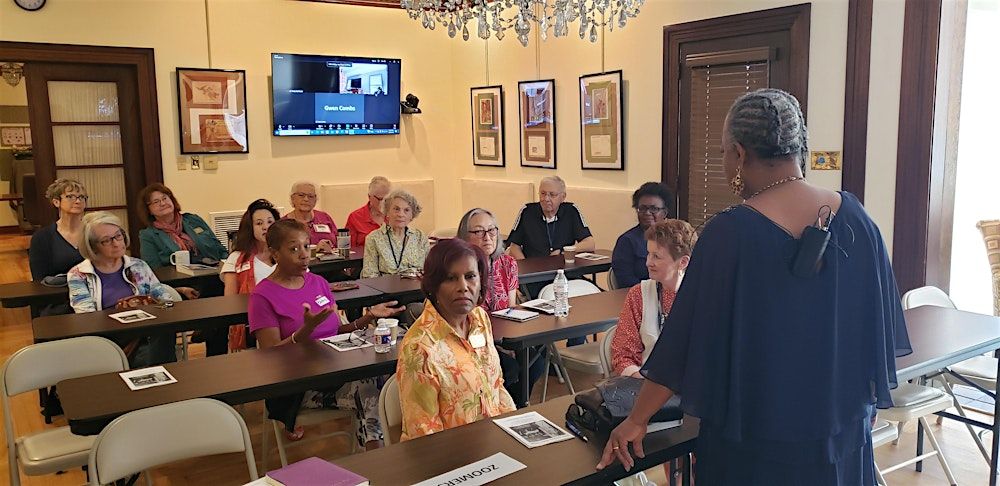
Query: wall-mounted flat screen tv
{"type": "Point", "coordinates": [334, 95]}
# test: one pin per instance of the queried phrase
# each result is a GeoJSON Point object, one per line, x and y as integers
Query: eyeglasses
{"type": "Point", "coordinates": [75, 197]}
{"type": "Point", "coordinates": [649, 209]}
{"type": "Point", "coordinates": [480, 233]}
{"type": "Point", "coordinates": [157, 202]}
{"type": "Point", "coordinates": [113, 239]}
{"type": "Point", "coordinates": [377, 198]}
{"type": "Point", "coordinates": [551, 195]}
{"type": "Point", "coordinates": [304, 195]}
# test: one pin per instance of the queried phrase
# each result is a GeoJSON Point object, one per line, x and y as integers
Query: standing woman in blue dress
{"type": "Point", "coordinates": [785, 371]}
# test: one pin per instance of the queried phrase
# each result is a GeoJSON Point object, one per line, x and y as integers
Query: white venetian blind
{"type": "Point", "coordinates": [714, 88]}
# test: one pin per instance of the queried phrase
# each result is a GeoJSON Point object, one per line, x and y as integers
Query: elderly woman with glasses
{"type": "Point", "coordinates": [751, 338]}
{"type": "Point", "coordinates": [369, 217]}
{"type": "Point", "coordinates": [322, 229]}
{"type": "Point", "coordinates": [169, 230]}
{"type": "Point", "coordinates": [479, 227]}
{"type": "Point", "coordinates": [653, 203]}
{"type": "Point", "coordinates": [396, 247]}
{"type": "Point", "coordinates": [54, 248]}
{"type": "Point", "coordinates": [108, 276]}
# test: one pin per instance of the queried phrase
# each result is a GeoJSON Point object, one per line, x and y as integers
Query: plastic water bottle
{"type": "Point", "coordinates": [561, 288]}
{"type": "Point", "coordinates": [383, 338]}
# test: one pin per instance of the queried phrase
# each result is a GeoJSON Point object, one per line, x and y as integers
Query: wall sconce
{"type": "Point", "coordinates": [12, 72]}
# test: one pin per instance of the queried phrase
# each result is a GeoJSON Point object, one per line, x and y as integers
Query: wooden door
{"type": "Point", "coordinates": [86, 126]}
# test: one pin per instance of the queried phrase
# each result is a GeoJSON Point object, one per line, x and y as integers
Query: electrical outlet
{"type": "Point", "coordinates": [210, 163]}
{"type": "Point", "coordinates": [182, 162]}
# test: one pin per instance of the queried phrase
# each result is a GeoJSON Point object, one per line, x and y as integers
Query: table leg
{"type": "Point", "coordinates": [920, 445]}
{"type": "Point", "coordinates": [686, 470]}
{"type": "Point", "coordinates": [525, 363]}
{"type": "Point", "coordinates": [996, 429]}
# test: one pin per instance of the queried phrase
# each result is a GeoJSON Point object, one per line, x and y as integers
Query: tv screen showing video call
{"type": "Point", "coordinates": [334, 95]}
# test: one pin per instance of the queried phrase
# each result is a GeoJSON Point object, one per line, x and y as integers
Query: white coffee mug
{"type": "Point", "coordinates": [182, 257]}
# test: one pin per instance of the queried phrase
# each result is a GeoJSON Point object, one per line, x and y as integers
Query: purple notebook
{"type": "Point", "coordinates": [315, 472]}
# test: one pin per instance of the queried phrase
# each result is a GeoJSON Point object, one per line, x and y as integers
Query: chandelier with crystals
{"type": "Point", "coordinates": [494, 17]}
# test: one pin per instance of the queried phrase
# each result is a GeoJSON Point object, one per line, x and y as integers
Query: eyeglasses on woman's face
{"type": "Point", "coordinates": [75, 197]}
{"type": "Point", "coordinates": [304, 195]}
{"type": "Point", "coordinates": [649, 209]}
{"type": "Point", "coordinates": [118, 238]}
{"type": "Point", "coordinates": [479, 233]}
{"type": "Point", "coordinates": [158, 201]}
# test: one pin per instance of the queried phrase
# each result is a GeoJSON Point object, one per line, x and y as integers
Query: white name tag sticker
{"type": "Point", "coordinates": [321, 228]}
{"type": "Point", "coordinates": [477, 340]}
{"type": "Point", "coordinates": [322, 300]}
{"type": "Point", "coordinates": [480, 472]}
{"type": "Point", "coordinates": [199, 231]}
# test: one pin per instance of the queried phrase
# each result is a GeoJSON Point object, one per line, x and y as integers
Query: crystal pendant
{"type": "Point", "coordinates": [499, 34]}
{"type": "Point", "coordinates": [544, 28]}
{"type": "Point", "coordinates": [593, 33]}
{"type": "Point", "coordinates": [561, 28]}
{"type": "Point", "coordinates": [484, 28]}
{"type": "Point", "coordinates": [523, 39]}
{"type": "Point", "coordinates": [465, 32]}
{"type": "Point", "coordinates": [622, 19]}
{"type": "Point", "coordinates": [452, 30]}
{"type": "Point", "coordinates": [583, 27]}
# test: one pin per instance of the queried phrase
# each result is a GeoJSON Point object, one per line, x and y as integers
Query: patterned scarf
{"type": "Point", "coordinates": [176, 232]}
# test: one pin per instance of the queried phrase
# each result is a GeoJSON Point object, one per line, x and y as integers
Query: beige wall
{"type": "Point", "coordinates": [440, 70]}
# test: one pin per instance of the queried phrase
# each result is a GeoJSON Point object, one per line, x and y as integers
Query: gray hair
{"type": "Point", "coordinates": [299, 184]}
{"type": "Point", "coordinates": [769, 123]}
{"type": "Point", "coordinates": [555, 180]}
{"type": "Point", "coordinates": [404, 195]}
{"type": "Point", "coordinates": [62, 186]}
{"type": "Point", "coordinates": [376, 181]}
{"type": "Point", "coordinates": [88, 245]}
{"type": "Point", "coordinates": [466, 222]}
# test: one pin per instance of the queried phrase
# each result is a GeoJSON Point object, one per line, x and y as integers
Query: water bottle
{"type": "Point", "coordinates": [383, 338]}
{"type": "Point", "coordinates": [561, 288]}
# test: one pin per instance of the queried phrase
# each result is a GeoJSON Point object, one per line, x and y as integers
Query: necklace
{"type": "Point", "coordinates": [775, 184]}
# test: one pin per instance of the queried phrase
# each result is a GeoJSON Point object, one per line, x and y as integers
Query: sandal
{"type": "Point", "coordinates": [295, 435]}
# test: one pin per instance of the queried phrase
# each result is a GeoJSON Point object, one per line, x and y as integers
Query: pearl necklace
{"type": "Point", "coordinates": [775, 184]}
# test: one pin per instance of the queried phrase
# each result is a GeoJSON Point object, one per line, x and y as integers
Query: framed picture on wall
{"type": "Point", "coordinates": [212, 111]}
{"type": "Point", "coordinates": [537, 115]}
{"type": "Point", "coordinates": [487, 126]}
{"type": "Point", "coordinates": [602, 132]}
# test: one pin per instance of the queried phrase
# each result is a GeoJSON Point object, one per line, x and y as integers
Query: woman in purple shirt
{"type": "Point", "coordinates": [293, 305]}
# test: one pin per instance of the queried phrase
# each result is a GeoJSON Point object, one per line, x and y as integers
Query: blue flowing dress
{"type": "Point", "coordinates": [784, 372]}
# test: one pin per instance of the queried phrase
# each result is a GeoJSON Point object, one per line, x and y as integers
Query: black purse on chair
{"type": "Point", "coordinates": [603, 408]}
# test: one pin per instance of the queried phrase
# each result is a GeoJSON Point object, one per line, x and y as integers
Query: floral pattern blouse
{"type": "Point", "coordinates": [503, 279]}
{"type": "Point", "coordinates": [386, 255]}
{"type": "Point", "coordinates": [446, 380]}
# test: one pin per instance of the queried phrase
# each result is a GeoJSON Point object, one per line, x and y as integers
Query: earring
{"type": "Point", "coordinates": [736, 183]}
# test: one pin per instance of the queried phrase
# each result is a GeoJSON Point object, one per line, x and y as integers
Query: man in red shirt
{"type": "Point", "coordinates": [369, 217]}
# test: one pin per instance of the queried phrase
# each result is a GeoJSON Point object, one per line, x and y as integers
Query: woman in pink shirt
{"type": "Point", "coordinates": [322, 230]}
{"type": "Point", "coordinates": [293, 305]}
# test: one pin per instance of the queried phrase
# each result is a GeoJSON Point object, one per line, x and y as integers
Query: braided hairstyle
{"type": "Point", "coordinates": [769, 123]}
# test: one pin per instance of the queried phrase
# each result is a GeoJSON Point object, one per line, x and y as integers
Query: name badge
{"type": "Point", "coordinates": [321, 228]}
{"type": "Point", "coordinates": [243, 268]}
{"type": "Point", "coordinates": [322, 300]}
{"type": "Point", "coordinates": [477, 340]}
{"type": "Point", "coordinates": [199, 231]}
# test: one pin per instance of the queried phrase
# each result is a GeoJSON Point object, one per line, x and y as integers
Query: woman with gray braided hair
{"type": "Point", "coordinates": [783, 362]}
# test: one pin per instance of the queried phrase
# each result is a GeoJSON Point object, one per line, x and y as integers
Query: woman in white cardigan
{"type": "Point", "coordinates": [648, 302]}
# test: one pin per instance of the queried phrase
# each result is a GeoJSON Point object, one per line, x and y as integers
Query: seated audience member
{"type": "Point", "coordinates": [168, 230]}
{"type": "Point", "coordinates": [448, 369]}
{"type": "Point", "coordinates": [479, 227]}
{"type": "Point", "coordinates": [545, 227]}
{"type": "Point", "coordinates": [53, 249]}
{"type": "Point", "coordinates": [250, 262]}
{"type": "Point", "coordinates": [291, 306]}
{"type": "Point", "coordinates": [369, 217]}
{"type": "Point", "coordinates": [395, 247]}
{"type": "Point", "coordinates": [322, 229]}
{"type": "Point", "coordinates": [653, 203]}
{"type": "Point", "coordinates": [647, 304]}
{"type": "Point", "coordinates": [109, 278]}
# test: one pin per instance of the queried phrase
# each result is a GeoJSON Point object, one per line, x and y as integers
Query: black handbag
{"type": "Point", "coordinates": [603, 408]}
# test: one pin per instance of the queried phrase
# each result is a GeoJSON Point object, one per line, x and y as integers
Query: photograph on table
{"type": "Point", "coordinates": [487, 126]}
{"type": "Point", "coordinates": [537, 116]}
{"type": "Point", "coordinates": [212, 111]}
{"type": "Point", "coordinates": [602, 130]}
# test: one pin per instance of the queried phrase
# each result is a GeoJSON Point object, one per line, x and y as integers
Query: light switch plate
{"type": "Point", "coordinates": [182, 162]}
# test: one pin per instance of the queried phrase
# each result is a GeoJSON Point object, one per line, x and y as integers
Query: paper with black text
{"type": "Point", "coordinates": [147, 378]}
{"type": "Point", "coordinates": [480, 472]}
{"type": "Point", "coordinates": [532, 429]}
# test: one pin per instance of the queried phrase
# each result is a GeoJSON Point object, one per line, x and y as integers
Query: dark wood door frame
{"type": "Point", "coordinates": [141, 60]}
{"type": "Point", "coordinates": [794, 18]}
{"type": "Point", "coordinates": [916, 189]}
{"type": "Point", "coordinates": [859, 50]}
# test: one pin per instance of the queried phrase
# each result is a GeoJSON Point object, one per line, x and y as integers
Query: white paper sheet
{"type": "Point", "coordinates": [600, 145]}
{"type": "Point", "coordinates": [132, 316]}
{"type": "Point", "coordinates": [480, 472]}
{"type": "Point", "coordinates": [147, 378]}
{"type": "Point", "coordinates": [532, 429]}
{"type": "Point", "coordinates": [536, 147]}
{"type": "Point", "coordinates": [487, 147]}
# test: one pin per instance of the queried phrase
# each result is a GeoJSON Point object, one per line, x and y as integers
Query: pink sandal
{"type": "Point", "coordinates": [296, 435]}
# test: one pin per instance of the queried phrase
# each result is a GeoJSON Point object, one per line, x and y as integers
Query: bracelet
{"type": "Point", "coordinates": [293, 338]}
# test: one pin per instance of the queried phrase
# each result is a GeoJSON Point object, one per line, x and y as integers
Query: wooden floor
{"type": "Point", "coordinates": [15, 332]}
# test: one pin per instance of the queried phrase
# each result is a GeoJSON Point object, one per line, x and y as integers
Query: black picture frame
{"type": "Point", "coordinates": [531, 126]}
{"type": "Point", "coordinates": [494, 129]}
{"type": "Point", "coordinates": [191, 105]}
{"type": "Point", "coordinates": [590, 127]}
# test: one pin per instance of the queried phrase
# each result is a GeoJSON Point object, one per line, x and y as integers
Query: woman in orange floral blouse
{"type": "Point", "coordinates": [448, 369]}
{"type": "Point", "coordinates": [648, 302]}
